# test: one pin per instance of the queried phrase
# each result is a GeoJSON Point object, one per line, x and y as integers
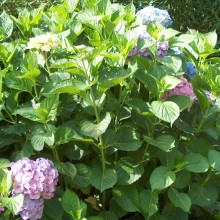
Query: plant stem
{"type": "Point", "coordinates": [46, 63]}
{"type": "Point", "coordinates": [9, 115]}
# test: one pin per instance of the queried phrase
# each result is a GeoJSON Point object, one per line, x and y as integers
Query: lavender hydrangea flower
{"type": "Point", "coordinates": [32, 209]}
{"type": "Point", "coordinates": [2, 209]}
{"type": "Point", "coordinates": [209, 96]}
{"type": "Point", "coordinates": [190, 69]}
{"type": "Point", "coordinates": [151, 14]}
{"type": "Point", "coordinates": [141, 33]}
{"type": "Point", "coordinates": [34, 179]}
{"type": "Point", "coordinates": [162, 49]}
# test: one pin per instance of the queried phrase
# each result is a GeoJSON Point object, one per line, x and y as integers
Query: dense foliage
{"type": "Point", "coordinates": [124, 107]}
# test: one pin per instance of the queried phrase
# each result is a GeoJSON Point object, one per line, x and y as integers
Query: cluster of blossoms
{"type": "Point", "coordinates": [141, 33]}
{"type": "Point", "coordinates": [1, 209]}
{"type": "Point", "coordinates": [184, 88]}
{"type": "Point", "coordinates": [44, 42]}
{"type": "Point", "coordinates": [151, 14]}
{"type": "Point", "coordinates": [36, 180]}
{"type": "Point", "coordinates": [32, 209]}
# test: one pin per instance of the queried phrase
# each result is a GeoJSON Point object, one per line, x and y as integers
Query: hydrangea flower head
{"type": "Point", "coordinates": [2, 209]}
{"type": "Point", "coordinates": [184, 88]}
{"type": "Point", "coordinates": [151, 14]}
{"type": "Point", "coordinates": [32, 209]}
{"type": "Point", "coordinates": [34, 179]}
{"type": "Point", "coordinates": [44, 42]}
{"type": "Point", "coordinates": [190, 69]}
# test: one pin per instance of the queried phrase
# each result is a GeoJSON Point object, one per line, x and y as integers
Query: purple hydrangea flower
{"type": "Point", "coordinates": [32, 209]}
{"type": "Point", "coordinates": [190, 69]}
{"type": "Point", "coordinates": [209, 96]}
{"type": "Point", "coordinates": [162, 49]}
{"type": "Point", "coordinates": [34, 179]}
{"type": "Point", "coordinates": [2, 209]}
{"type": "Point", "coordinates": [151, 14]}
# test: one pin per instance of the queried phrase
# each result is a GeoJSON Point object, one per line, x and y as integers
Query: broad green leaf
{"type": "Point", "coordinates": [66, 86]}
{"type": "Point", "coordinates": [6, 26]}
{"type": "Point", "coordinates": [72, 4]}
{"type": "Point", "coordinates": [171, 82]}
{"type": "Point", "coordinates": [95, 130]}
{"type": "Point", "coordinates": [166, 111]}
{"type": "Point", "coordinates": [183, 179]}
{"type": "Point", "coordinates": [67, 169]}
{"type": "Point", "coordinates": [53, 208]}
{"type": "Point", "coordinates": [4, 163]}
{"type": "Point", "coordinates": [71, 204]}
{"type": "Point", "coordinates": [48, 109]}
{"type": "Point", "coordinates": [173, 213]}
{"type": "Point", "coordinates": [164, 142]}
{"type": "Point", "coordinates": [107, 215]}
{"type": "Point", "coordinates": [14, 203]}
{"type": "Point", "coordinates": [125, 139]}
{"type": "Point", "coordinates": [202, 98]}
{"type": "Point", "coordinates": [196, 163]}
{"type": "Point", "coordinates": [37, 142]}
{"type": "Point", "coordinates": [103, 179]}
{"type": "Point", "coordinates": [112, 77]}
{"type": "Point", "coordinates": [27, 112]}
{"type": "Point", "coordinates": [148, 202]}
{"type": "Point", "coordinates": [203, 195]}
{"type": "Point", "coordinates": [214, 159]}
{"type": "Point", "coordinates": [128, 171]}
{"type": "Point", "coordinates": [161, 178]}
{"type": "Point", "coordinates": [180, 200]}
{"type": "Point", "coordinates": [83, 175]}
{"type": "Point", "coordinates": [126, 197]}
{"type": "Point", "coordinates": [174, 63]}
{"type": "Point", "coordinates": [32, 74]}
{"type": "Point", "coordinates": [182, 101]}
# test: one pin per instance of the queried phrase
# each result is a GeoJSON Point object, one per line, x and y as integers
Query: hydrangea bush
{"type": "Point", "coordinates": [107, 113]}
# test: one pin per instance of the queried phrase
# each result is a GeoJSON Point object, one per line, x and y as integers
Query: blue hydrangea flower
{"type": "Point", "coordinates": [151, 14]}
{"type": "Point", "coordinates": [190, 69]}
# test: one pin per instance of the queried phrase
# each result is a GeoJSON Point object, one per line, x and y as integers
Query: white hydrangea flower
{"type": "Point", "coordinates": [44, 42]}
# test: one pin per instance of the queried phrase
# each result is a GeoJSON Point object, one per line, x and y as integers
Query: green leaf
{"type": "Point", "coordinates": [37, 142]}
{"type": "Point", "coordinates": [181, 200]}
{"type": "Point", "coordinates": [166, 111]}
{"type": "Point", "coordinates": [126, 197]}
{"type": "Point", "coordinates": [48, 109]}
{"type": "Point", "coordinates": [27, 112]}
{"type": "Point", "coordinates": [32, 74]}
{"type": "Point", "coordinates": [66, 86]}
{"type": "Point", "coordinates": [67, 169]}
{"type": "Point", "coordinates": [83, 175]}
{"type": "Point", "coordinates": [203, 195]}
{"type": "Point", "coordinates": [95, 130]}
{"type": "Point", "coordinates": [103, 179]}
{"type": "Point", "coordinates": [6, 25]}
{"type": "Point", "coordinates": [182, 101]}
{"type": "Point", "coordinates": [161, 178]}
{"type": "Point", "coordinates": [4, 163]}
{"type": "Point", "coordinates": [173, 213]}
{"type": "Point", "coordinates": [71, 204]}
{"type": "Point", "coordinates": [113, 77]}
{"type": "Point", "coordinates": [72, 5]}
{"type": "Point", "coordinates": [128, 171]}
{"type": "Point", "coordinates": [14, 204]}
{"type": "Point", "coordinates": [196, 163]}
{"type": "Point", "coordinates": [214, 159]}
{"type": "Point", "coordinates": [53, 208]}
{"type": "Point", "coordinates": [173, 62]}
{"type": "Point", "coordinates": [148, 202]}
{"type": "Point", "coordinates": [164, 142]}
{"type": "Point", "coordinates": [107, 215]}
{"type": "Point", "coordinates": [183, 179]}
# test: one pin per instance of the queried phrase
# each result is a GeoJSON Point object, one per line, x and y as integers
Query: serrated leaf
{"type": "Point", "coordinates": [126, 197]}
{"type": "Point", "coordinates": [66, 168]}
{"type": "Point", "coordinates": [166, 111]}
{"type": "Point", "coordinates": [14, 204]}
{"type": "Point", "coordinates": [95, 130]}
{"type": "Point", "coordinates": [83, 175]}
{"type": "Point", "coordinates": [6, 25]}
{"type": "Point", "coordinates": [162, 177]}
{"type": "Point", "coordinates": [181, 200]}
{"type": "Point", "coordinates": [196, 163]}
{"type": "Point", "coordinates": [103, 179]}
{"type": "Point", "coordinates": [164, 142]}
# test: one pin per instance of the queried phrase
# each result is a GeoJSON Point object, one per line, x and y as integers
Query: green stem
{"type": "Point", "coordinates": [208, 176]}
{"type": "Point", "coordinates": [36, 93]}
{"type": "Point", "coordinates": [101, 145]}
{"type": "Point", "coordinates": [46, 63]}
{"type": "Point", "coordinates": [13, 121]}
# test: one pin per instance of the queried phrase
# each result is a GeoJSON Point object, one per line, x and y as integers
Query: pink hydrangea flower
{"type": "Point", "coordinates": [34, 179]}
{"type": "Point", "coordinates": [32, 209]}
